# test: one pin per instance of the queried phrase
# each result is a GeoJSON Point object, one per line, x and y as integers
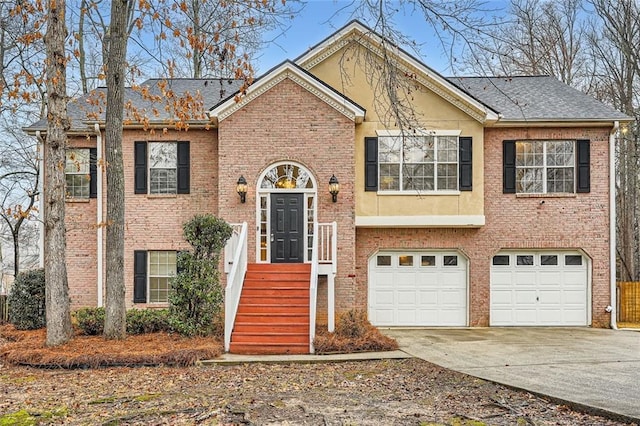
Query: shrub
{"type": "Point", "coordinates": [90, 320]}
{"type": "Point", "coordinates": [141, 321]}
{"type": "Point", "coordinates": [354, 333]}
{"type": "Point", "coordinates": [196, 294]}
{"type": "Point", "coordinates": [26, 301]}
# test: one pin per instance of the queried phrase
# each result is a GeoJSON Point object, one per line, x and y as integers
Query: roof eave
{"type": "Point", "coordinates": [564, 122]}
{"type": "Point", "coordinates": [288, 70]}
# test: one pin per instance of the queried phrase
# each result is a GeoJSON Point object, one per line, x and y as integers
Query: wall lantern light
{"type": "Point", "coordinates": [334, 188]}
{"type": "Point", "coordinates": [241, 187]}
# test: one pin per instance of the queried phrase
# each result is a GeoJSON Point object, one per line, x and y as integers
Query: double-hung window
{"type": "Point", "coordinates": [80, 173]}
{"type": "Point", "coordinates": [418, 163]}
{"type": "Point", "coordinates": [162, 168]}
{"type": "Point", "coordinates": [153, 271]}
{"type": "Point", "coordinates": [546, 166]}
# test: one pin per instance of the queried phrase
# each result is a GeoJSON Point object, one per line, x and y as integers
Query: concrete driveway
{"type": "Point", "coordinates": [591, 367]}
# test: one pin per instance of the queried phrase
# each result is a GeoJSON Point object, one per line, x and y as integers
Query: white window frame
{"type": "Point", "coordinates": [168, 277]}
{"type": "Point", "coordinates": [545, 166]}
{"type": "Point", "coordinates": [151, 168]}
{"type": "Point", "coordinates": [74, 167]}
{"type": "Point", "coordinates": [418, 133]}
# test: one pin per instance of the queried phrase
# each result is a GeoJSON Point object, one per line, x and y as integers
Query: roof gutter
{"type": "Point", "coordinates": [613, 307]}
{"type": "Point", "coordinates": [99, 216]}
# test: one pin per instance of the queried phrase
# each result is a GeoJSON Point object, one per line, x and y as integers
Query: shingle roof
{"type": "Point", "coordinates": [92, 107]}
{"type": "Point", "coordinates": [536, 98]}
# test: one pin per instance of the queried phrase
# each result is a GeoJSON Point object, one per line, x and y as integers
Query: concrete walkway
{"type": "Point", "coordinates": [590, 367]}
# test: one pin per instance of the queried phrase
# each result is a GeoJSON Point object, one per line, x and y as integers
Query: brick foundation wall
{"type": "Point", "coordinates": [512, 222]}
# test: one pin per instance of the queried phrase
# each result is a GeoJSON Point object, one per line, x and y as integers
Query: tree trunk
{"type": "Point", "coordinates": [59, 329]}
{"type": "Point", "coordinates": [115, 308]}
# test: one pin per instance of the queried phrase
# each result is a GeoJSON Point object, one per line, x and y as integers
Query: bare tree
{"type": "Point", "coordinates": [59, 329]}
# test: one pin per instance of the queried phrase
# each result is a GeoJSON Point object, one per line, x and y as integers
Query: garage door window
{"type": "Point", "coordinates": [428, 261]}
{"type": "Point", "coordinates": [548, 260]}
{"type": "Point", "coordinates": [383, 260]}
{"type": "Point", "coordinates": [501, 260]}
{"type": "Point", "coordinates": [572, 260]}
{"type": "Point", "coordinates": [405, 260]}
{"type": "Point", "coordinates": [525, 260]}
{"type": "Point", "coordinates": [450, 260]}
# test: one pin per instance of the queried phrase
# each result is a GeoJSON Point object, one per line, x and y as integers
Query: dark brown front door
{"type": "Point", "coordinates": [287, 228]}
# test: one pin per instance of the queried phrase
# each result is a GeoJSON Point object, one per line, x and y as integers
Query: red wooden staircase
{"type": "Point", "coordinates": [273, 313]}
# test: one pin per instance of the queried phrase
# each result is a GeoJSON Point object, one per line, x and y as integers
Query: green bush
{"type": "Point", "coordinates": [26, 301]}
{"type": "Point", "coordinates": [141, 321]}
{"type": "Point", "coordinates": [196, 295]}
{"type": "Point", "coordinates": [90, 320]}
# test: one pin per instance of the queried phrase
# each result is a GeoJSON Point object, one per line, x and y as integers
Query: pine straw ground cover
{"type": "Point", "coordinates": [28, 348]}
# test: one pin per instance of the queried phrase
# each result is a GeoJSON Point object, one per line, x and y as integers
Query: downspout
{"type": "Point", "coordinates": [612, 223]}
{"type": "Point", "coordinates": [40, 198]}
{"type": "Point", "coordinates": [99, 227]}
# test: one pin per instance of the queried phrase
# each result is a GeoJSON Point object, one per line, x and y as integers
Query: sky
{"type": "Point", "coordinates": [321, 18]}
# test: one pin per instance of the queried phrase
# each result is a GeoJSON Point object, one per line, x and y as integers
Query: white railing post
{"type": "Point", "coordinates": [235, 279]}
{"type": "Point", "coordinates": [313, 288]}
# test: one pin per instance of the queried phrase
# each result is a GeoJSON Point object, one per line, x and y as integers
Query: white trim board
{"type": "Point", "coordinates": [430, 221]}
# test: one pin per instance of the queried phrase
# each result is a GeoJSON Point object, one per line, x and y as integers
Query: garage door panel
{"type": "Point", "coordinates": [541, 293]}
{"type": "Point", "coordinates": [429, 294]}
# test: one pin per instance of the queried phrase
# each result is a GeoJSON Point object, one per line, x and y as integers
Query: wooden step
{"type": "Point", "coordinates": [263, 308]}
{"type": "Point", "coordinates": [257, 298]}
{"type": "Point", "coordinates": [279, 267]}
{"type": "Point", "coordinates": [268, 349]}
{"type": "Point", "coordinates": [259, 283]}
{"type": "Point", "coordinates": [277, 276]}
{"type": "Point", "coordinates": [269, 338]}
{"type": "Point", "coordinates": [260, 327]}
{"type": "Point", "coordinates": [294, 318]}
{"type": "Point", "coordinates": [276, 291]}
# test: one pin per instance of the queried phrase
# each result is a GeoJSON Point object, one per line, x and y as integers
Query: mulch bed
{"type": "Point", "coordinates": [28, 348]}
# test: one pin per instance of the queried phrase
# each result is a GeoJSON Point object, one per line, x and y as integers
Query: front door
{"type": "Point", "coordinates": [287, 228]}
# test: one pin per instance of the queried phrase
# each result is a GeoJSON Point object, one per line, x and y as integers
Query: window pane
{"type": "Point", "coordinates": [383, 260]}
{"type": "Point", "coordinates": [77, 161]}
{"type": "Point", "coordinates": [163, 181]}
{"type": "Point", "coordinates": [428, 261]}
{"type": "Point", "coordinates": [548, 260]}
{"type": "Point", "coordinates": [526, 260]}
{"type": "Point", "coordinates": [389, 177]}
{"type": "Point", "coordinates": [450, 260]}
{"type": "Point", "coordinates": [501, 260]}
{"type": "Point", "coordinates": [447, 149]}
{"type": "Point", "coordinates": [447, 176]}
{"type": "Point", "coordinates": [529, 180]}
{"type": "Point", "coordinates": [406, 260]}
{"type": "Point", "coordinates": [560, 153]}
{"type": "Point", "coordinates": [418, 177]}
{"type": "Point", "coordinates": [163, 155]}
{"type": "Point", "coordinates": [560, 180]}
{"type": "Point", "coordinates": [389, 149]}
{"type": "Point", "coordinates": [573, 260]}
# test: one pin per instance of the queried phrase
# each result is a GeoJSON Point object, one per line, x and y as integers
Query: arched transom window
{"type": "Point", "coordinates": [286, 176]}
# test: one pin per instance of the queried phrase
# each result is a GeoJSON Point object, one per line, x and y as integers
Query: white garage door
{"type": "Point", "coordinates": [539, 288]}
{"type": "Point", "coordinates": [418, 289]}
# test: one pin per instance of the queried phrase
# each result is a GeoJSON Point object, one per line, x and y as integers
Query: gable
{"type": "Point", "coordinates": [348, 48]}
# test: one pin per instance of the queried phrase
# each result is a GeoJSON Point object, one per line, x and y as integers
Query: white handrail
{"type": "Point", "coordinates": [235, 279]}
{"type": "Point", "coordinates": [313, 288]}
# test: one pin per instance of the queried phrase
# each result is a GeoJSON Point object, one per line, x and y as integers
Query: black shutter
{"type": "Point", "coordinates": [466, 164]}
{"type": "Point", "coordinates": [183, 167]}
{"type": "Point", "coordinates": [371, 164]}
{"type": "Point", "coordinates": [140, 153]}
{"type": "Point", "coordinates": [139, 276]}
{"type": "Point", "coordinates": [509, 167]}
{"type": "Point", "coordinates": [584, 167]}
{"type": "Point", "coordinates": [93, 173]}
